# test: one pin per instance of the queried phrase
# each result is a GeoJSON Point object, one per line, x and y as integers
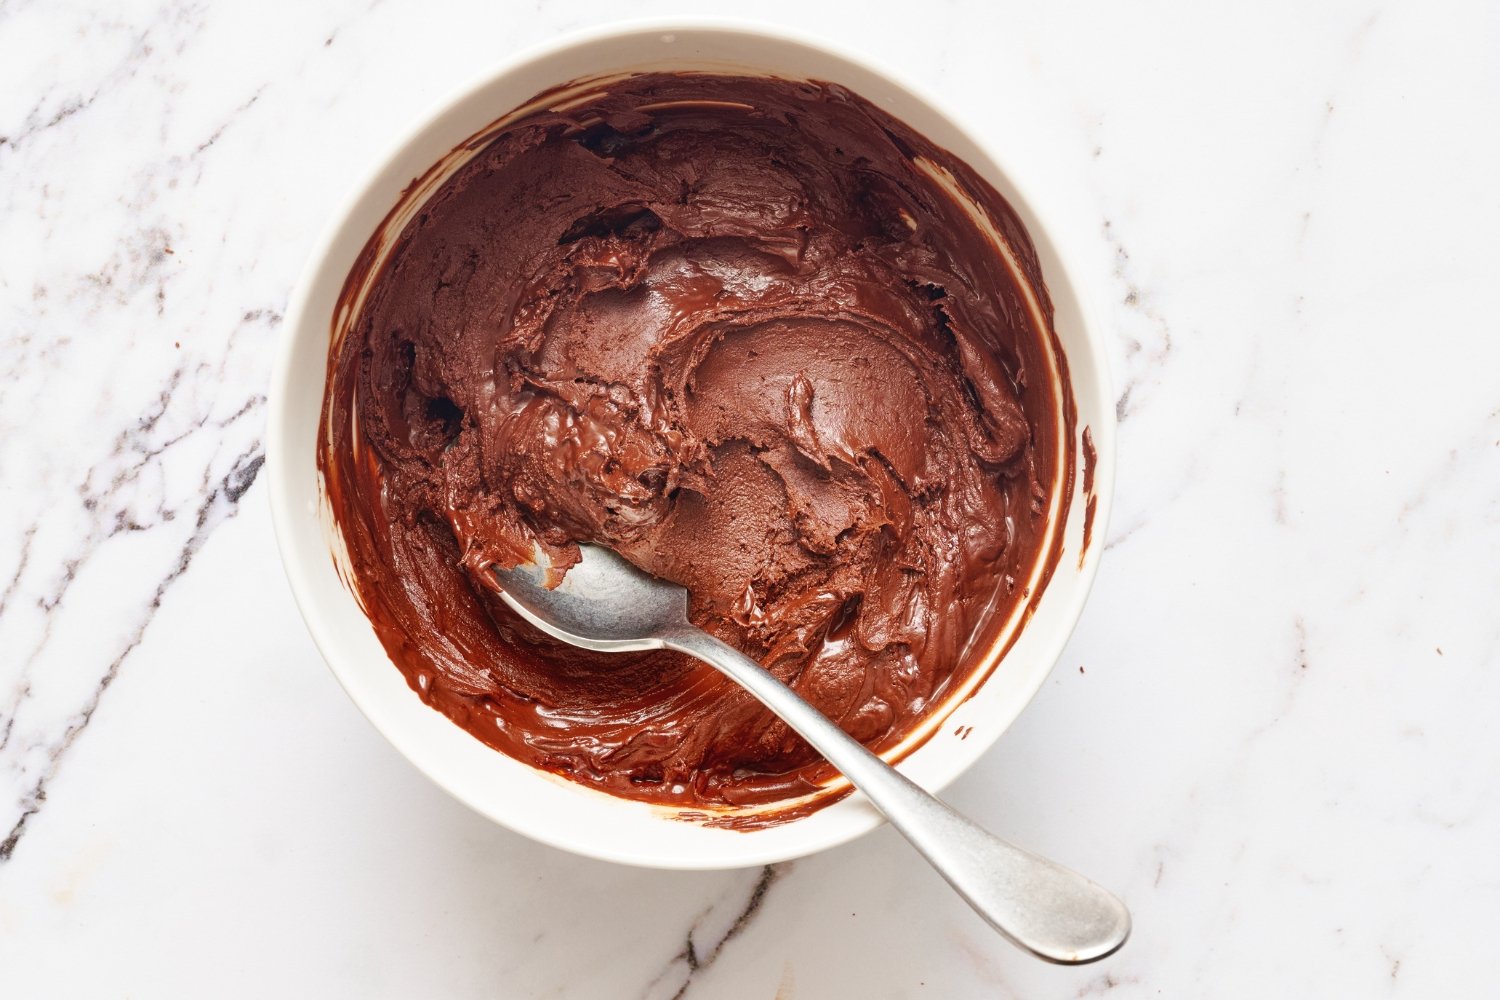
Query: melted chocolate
{"type": "Point", "coordinates": [730, 328]}
{"type": "Point", "coordinates": [1091, 502]}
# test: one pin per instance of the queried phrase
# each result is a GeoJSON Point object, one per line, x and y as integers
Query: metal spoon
{"type": "Point", "coordinates": [604, 603]}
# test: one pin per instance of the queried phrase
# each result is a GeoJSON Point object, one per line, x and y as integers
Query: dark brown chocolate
{"type": "Point", "coordinates": [1091, 502]}
{"type": "Point", "coordinates": [729, 328]}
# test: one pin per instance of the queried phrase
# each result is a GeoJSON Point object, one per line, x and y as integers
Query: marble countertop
{"type": "Point", "coordinates": [1274, 731]}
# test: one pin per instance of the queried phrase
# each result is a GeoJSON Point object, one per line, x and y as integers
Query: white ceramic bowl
{"type": "Point", "coordinates": [540, 805]}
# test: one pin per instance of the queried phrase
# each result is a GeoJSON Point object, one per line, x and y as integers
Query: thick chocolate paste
{"type": "Point", "coordinates": [731, 328]}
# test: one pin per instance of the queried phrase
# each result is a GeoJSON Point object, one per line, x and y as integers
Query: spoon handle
{"type": "Point", "coordinates": [1052, 912]}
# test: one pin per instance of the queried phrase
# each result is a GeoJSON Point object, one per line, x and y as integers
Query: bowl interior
{"type": "Point", "coordinates": [549, 808]}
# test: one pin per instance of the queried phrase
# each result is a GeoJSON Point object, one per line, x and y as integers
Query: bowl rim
{"type": "Point", "coordinates": [1022, 197]}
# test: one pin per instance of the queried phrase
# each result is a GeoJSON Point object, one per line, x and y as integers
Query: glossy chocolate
{"type": "Point", "coordinates": [733, 329]}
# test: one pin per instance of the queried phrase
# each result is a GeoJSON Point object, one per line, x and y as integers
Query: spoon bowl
{"type": "Point", "coordinates": [604, 603]}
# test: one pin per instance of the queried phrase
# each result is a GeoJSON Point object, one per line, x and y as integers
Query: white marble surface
{"type": "Point", "coordinates": [1274, 731]}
